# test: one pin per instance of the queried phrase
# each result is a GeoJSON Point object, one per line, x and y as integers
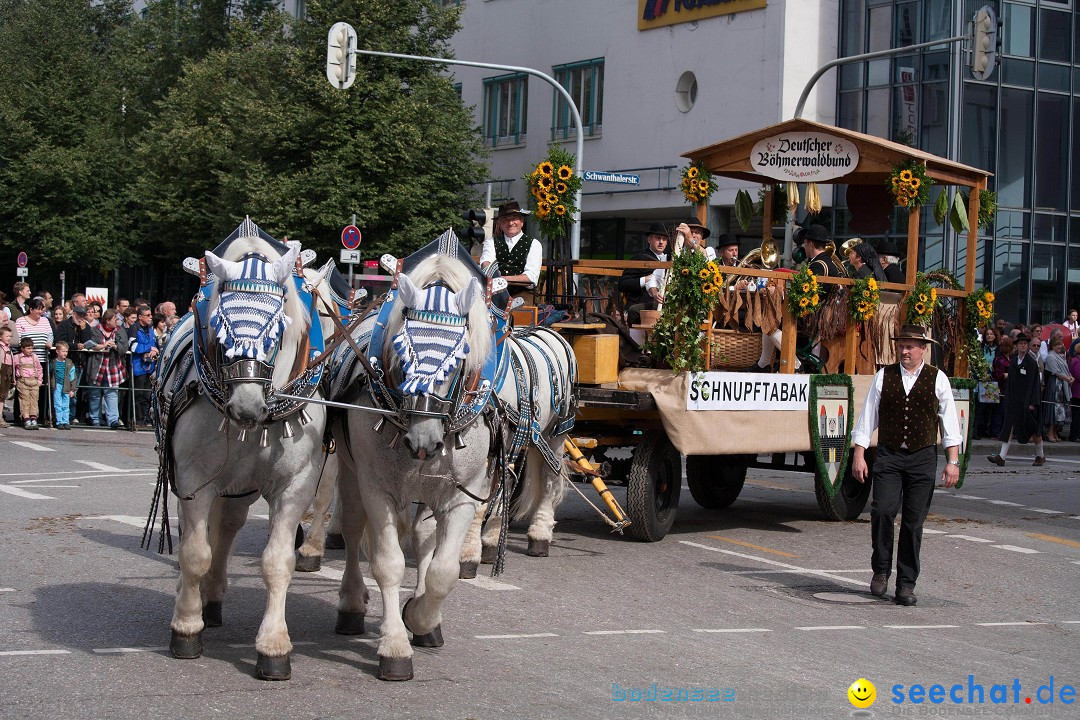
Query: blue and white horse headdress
{"type": "Point", "coordinates": [432, 341]}
{"type": "Point", "coordinates": [250, 317]}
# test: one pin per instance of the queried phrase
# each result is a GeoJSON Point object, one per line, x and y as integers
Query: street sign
{"type": "Point", "coordinates": [22, 260]}
{"type": "Point", "coordinates": [350, 257]}
{"type": "Point", "coordinates": [612, 177]}
{"type": "Point", "coordinates": [22, 271]}
{"type": "Point", "coordinates": [350, 237]}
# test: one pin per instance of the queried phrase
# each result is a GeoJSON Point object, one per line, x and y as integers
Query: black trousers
{"type": "Point", "coordinates": [903, 480]}
{"type": "Point", "coordinates": [142, 398]}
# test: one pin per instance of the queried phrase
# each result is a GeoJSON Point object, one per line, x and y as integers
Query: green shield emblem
{"type": "Point", "coordinates": [830, 426]}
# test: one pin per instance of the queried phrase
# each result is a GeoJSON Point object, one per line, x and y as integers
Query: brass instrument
{"type": "Point", "coordinates": [767, 256]}
{"type": "Point", "coordinates": [830, 250]}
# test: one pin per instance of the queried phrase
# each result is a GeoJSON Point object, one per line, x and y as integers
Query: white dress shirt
{"type": "Point", "coordinates": [868, 421]}
{"type": "Point", "coordinates": [533, 261]}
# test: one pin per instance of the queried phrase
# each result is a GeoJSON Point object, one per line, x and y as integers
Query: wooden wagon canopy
{"type": "Point", "coordinates": [877, 157]}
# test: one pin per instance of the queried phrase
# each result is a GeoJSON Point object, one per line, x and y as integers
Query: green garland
{"type": "Point", "coordinates": [832, 379]}
{"type": "Point", "coordinates": [693, 289]}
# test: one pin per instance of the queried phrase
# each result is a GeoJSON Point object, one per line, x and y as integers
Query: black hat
{"type": "Point", "coordinates": [914, 332]}
{"type": "Point", "coordinates": [816, 234]}
{"type": "Point", "coordinates": [78, 310]}
{"type": "Point", "coordinates": [1022, 338]}
{"type": "Point", "coordinates": [693, 223]}
{"type": "Point", "coordinates": [725, 240]}
{"type": "Point", "coordinates": [888, 248]}
{"type": "Point", "coordinates": [657, 228]}
{"type": "Point", "coordinates": [511, 207]}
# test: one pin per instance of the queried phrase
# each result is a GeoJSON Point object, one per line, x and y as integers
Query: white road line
{"type": "Point", "coordinates": [969, 497]}
{"type": "Point", "coordinates": [1063, 460]}
{"type": "Point", "coordinates": [969, 538]}
{"type": "Point", "coordinates": [7, 589]}
{"type": "Point", "coordinates": [1070, 622]}
{"type": "Point", "coordinates": [1075, 517]}
{"type": "Point", "coordinates": [133, 520]}
{"type": "Point", "coordinates": [32, 446]}
{"type": "Point", "coordinates": [18, 492]}
{"type": "Point", "coordinates": [251, 645]}
{"type": "Point", "coordinates": [75, 472]}
{"type": "Point", "coordinates": [486, 583]}
{"type": "Point", "coordinates": [1014, 548]}
{"type": "Point", "coordinates": [625, 632]}
{"type": "Point", "coordinates": [1046, 512]}
{"type": "Point", "coordinates": [1004, 502]}
{"type": "Point", "coordinates": [933, 532]}
{"type": "Point", "coordinates": [1007, 624]}
{"type": "Point", "coordinates": [788, 572]}
{"type": "Point", "coordinates": [832, 627]}
{"type": "Point", "coordinates": [793, 568]}
{"type": "Point", "coordinates": [120, 650]}
{"type": "Point", "coordinates": [58, 486]}
{"type": "Point", "coordinates": [99, 466]}
{"type": "Point", "coordinates": [83, 477]}
{"type": "Point", "coordinates": [34, 652]}
{"type": "Point", "coordinates": [336, 575]}
{"type": "Point", "coordinates": [919, 627]}
{"type": "Point", "coordinates": [514, 637]}
{"type": "Point", "coordinates": [730, 630]}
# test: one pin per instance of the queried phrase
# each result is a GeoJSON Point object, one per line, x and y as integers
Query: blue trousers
{"type": "Point", "coordinates": [112, 413]}
{"type": "Point", "coordinates": [61, 405]}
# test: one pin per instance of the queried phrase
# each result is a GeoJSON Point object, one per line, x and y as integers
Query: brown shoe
{"type": "Point", "coordinates": [1039, 461]}
{"type": "Point", "coordinates": [996, 459]}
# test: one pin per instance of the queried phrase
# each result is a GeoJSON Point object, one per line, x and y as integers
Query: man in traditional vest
{"type": "Point", "coordinates": [905, 403]}
{"type": "Point", "coordinates": [519, 257]}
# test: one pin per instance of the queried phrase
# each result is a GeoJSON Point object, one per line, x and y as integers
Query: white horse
{"type": "Point", "coordinates": [261, 326]}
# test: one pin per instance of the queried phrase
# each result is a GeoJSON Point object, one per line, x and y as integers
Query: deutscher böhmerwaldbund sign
{"type": "Point", "coordinates": [747, 391]}
{"type": "Point", "coordinates": [804, 157]}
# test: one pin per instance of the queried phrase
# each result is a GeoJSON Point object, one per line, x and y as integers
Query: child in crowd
{"type": "Point", "coordinates": [28, 377]}
{"type": "Point", "coordinates": [7, 369]}
{"type": "Point", "coordinates": [63, 381]}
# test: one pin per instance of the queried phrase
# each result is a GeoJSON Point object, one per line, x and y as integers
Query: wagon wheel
{"type": "Point", "coordinates": [653, 487]}
{"type": "Point", "coordinates": [850, 497]}
{"type": "Point", "coordinates": [715, 481]}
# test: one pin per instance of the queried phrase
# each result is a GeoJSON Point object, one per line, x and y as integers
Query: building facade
{"type": "Point", "coordinates": [656, 78]}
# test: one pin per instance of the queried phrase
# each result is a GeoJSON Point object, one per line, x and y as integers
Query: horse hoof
{"type": "Point", "coordinates": [431, 639]}
{"type": "Point", "coordinates": [538, 548]}
{"type": "Point", "coordinates": [334, 541]}
{"type": "Point", "coordinates": [349, 623]}
{"type": "Point", "coordinates": [273, 668]}
{"type": "Point", "coordinates": [468, 570]}
{"type": "Point", "coordinates": [305, 563]}
{"type": "Point", "coordinates": [211, 614]}
{"type": "Point", "coordinates": [489, 554]}
{"type": "Point", "coordinates": [395, 669]}
{"type": "Point", "coordinates": [185, 647]}
{"type": "Point", "coordinates": [299, 537]}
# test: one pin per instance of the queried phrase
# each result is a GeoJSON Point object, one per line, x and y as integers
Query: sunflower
{"type": "Point", "coordinates": [979, 304]}
{"type": "Point", "coordinates": [814, 300]}
{"type": "Point", "coordinates": [866, 293]}
{"type": "Point", "coordinates": [565, 173]}
{"type": "Point", "coordinates": [560, 209]}
{"type": "Point", "coordinates": [915, 183]}
{"type": "Point", "coordinates": [905, 175]}
{"type": "Point", "coordinates": [545, 182]}
{"type": "Point", "coordinates": [803, 302]}
{"type": "Point", "coordinates": [708, 288]}
{"type": "Point", "coordinates": [872, 284]}
{"type": "Point", "coordinates": [536, 193]}
{"type": "Point", "coordinates": [933, 295]}
{"type": "Point", "coordinates": [806, 287]}
{"type": "Point", "coordinates": [712, 266]}
{"type": "Point", "coordinates": [718, 278]}
{"type": "Point", "coordinates": [703, 273]}
{"type": "Point", "coordinates": [552, 198]}
{"type": "Point", "coordinates": [989, 297]}
{"type": "Point", "coordinates": [543, 207]}
{"type": "Point", "coordinates": [863, 307]}
{"type": "Point", "coordinates": [561, 187]}
{"type": "Point", "coordinates": [685, 271]}
{"type": "Point", "coordinates": [692, 172]}
{"type": "Point", "coordinates": [703, 186]}
{"type": "Point", "coordinates": [922, 297]}
{"type": "Point", "coordinates": [920, 308]}
{"type": "Point", "coordinates": [546, 168]}
{"type": "Point", "coordinates": [902, 201]}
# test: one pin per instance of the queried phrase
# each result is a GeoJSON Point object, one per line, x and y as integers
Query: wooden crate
{"type": "Point", "coordinates": [525, 315]}
{"type": "Point", "coordinates": [598, 358]}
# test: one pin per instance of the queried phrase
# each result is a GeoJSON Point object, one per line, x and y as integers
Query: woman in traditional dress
{"type": "Point", "coordinates": [1057, 392]}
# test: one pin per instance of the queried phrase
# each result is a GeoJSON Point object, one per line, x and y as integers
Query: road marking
{"type": "Point", "coordinates": [99, 466]}
{"type": "Point", "coordinates": [793, 568]}
{"type": "Point", "coordinates": [7, 589]}
{"type": "Point", "coordinates": [1063, 460]}
{"type": "Point", "coordinates": [1005, 502]}
{"type": "Point", "coordinates": [82, 477]}
{"type": "Point", "coordinates": [752, 546]}
{"type": "Point", "coordinates": [32, 446]}
{"type": "Point", "coordinates": [969, 497]}
{"type": "Point", "coordinates": [731, 630]}
{"type": "Point", "coordinates": [133, 520]}
{"type": "Point", "coordinates": [933, 532]}
{"type": "Point", "coordinates": [1008, 624]}
{"type": "Point", "coordinates": [1014, 548]}
{"type": "Point", "coordinates": [1046, 512]}
{"type": "Point", "coordinates": [18, 492]}
{"type": "Point", "coordinates": [625, 632]}
{"type": "Point", "coordinates": [919, 627]}
{"type": "Point", "coordinates": [120, 650]}
{"type": "Point", "coordinates": [58, 486]}
{"type": "Point", "coordinates": [969, 538]}
{"type": "Point", "coordinates": [75, 472]}
{"type": "Point", "coordinates": [336, 575]}
{"type": "Point", "coordinates": [251, 645]}
{"type": "Point", "coordinates": [486, 583]}
{"type": "Point", "coordinates": [34, 652]}
{"type": "Point", "coordinates": [1051, 538]}
{"type": "Point", "coordinates": [832, 627]}
{"type": "Point", "coordinates": [514, 637]}
{"type": "Point", "coordinates": [788, 572]}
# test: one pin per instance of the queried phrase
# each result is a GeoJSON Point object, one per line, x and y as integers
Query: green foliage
{"type": "Point", "coordinates": [553, 187]}
{"type": "Point", "coordinates": [691, 292]}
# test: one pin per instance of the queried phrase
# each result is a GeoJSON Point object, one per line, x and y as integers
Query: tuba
{"type": "Point", "coordinates": [766, 257]}
{"type": "Point", "coordinates": [830, 250]}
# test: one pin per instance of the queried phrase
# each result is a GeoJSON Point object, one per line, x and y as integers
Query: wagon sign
{"type": "Point", "coordinates": [830, 427]}
{"type": "Point", "coordinates": [804, 157]}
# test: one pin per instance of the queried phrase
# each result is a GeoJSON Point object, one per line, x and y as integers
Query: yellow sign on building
{"type": "Point", "coordinates": [658, 13]}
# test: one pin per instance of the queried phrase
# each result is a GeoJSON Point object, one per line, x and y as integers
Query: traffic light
{"type": "Point", "coordinates": [341, 55]}
{"type": "Point", "coordinates": [984, 45]}
{"type": "Point", "coordinates": [478, 226]}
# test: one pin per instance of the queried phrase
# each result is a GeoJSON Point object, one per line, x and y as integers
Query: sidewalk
{"type": "Point", "coordinates": [982, 448]}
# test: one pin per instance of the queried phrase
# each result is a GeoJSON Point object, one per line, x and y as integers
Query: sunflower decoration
{"type": "Point", "coordinates": [864, 299]}
{"type": "Point", "coordinates": [697, 183]}
{"type": "Point", "coordinates": [553, 187]}
{"type": "Point", "coordinates": [910, 185]}
{"type": "Point", "coordinates": [921, 302]}
{"type": "Point", "coordinates": [803, 292]}
{"type": "Point", "coordinates": [980, 308]}
{"type": "Point", "coordinates": [693, 290]}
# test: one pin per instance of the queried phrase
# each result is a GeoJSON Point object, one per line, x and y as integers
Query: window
{"type": "Point", "coordinates": [585, 83]}
{"type": "Point", "coordinates": [506, 104]}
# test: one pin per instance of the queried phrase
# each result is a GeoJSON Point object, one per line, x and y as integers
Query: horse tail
{"type": "Point", "coordinates": [539, 482]}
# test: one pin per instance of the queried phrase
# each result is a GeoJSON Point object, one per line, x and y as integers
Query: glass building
{"type": "Point", "coordinates": [1022, 124]}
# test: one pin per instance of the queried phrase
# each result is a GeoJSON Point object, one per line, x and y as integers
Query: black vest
{"type": "Point", "coordinates": [908, 420]}
{"type": "Point", "coordinates": [512, 262]}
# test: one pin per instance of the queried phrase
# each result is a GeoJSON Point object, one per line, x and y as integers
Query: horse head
{"type": "Point", "coordinates": [256, 304]}
{"type": "Point", "coordinates": [441, 335]}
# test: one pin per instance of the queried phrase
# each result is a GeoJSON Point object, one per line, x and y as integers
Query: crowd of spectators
{"type": "Point", "coordinates": [77, 362]}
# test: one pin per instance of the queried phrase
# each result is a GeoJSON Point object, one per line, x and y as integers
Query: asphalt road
{"type": "Point", "coordinates": [765, 606]}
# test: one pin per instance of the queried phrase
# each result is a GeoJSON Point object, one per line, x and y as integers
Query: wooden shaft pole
{"type": "Point", "coordinates": [912, 245]}
{"type": "Point", "coordinates": [972, 240]}
{"type": "Point", "coordinates": [851, 347]}
{"type": "Point", "coordinates": [789, 326]}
